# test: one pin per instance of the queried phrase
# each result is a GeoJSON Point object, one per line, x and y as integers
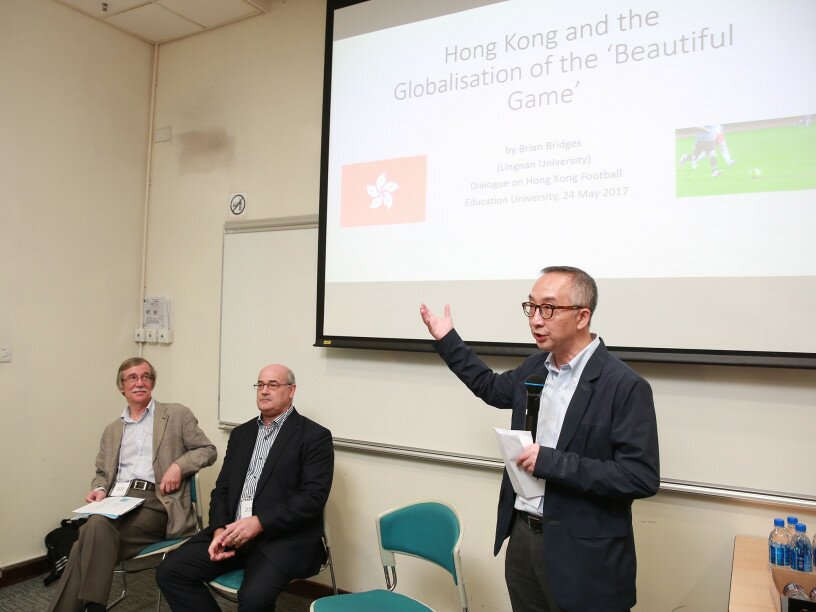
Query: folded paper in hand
{"type": "Point", "coordinates": [112, 507]}
{"type": "Point", "coordinates": [511, 444]}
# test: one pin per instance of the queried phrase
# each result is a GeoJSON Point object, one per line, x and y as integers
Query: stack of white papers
{"type": "Point", "coordinates": [112, 507]}
{"type": "Point", "coordinates": [511, 444]}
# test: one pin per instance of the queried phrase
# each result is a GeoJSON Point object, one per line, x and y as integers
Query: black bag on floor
{"type": "Point", "coordinates": [58, 544]}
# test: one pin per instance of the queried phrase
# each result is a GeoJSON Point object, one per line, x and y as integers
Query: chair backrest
{"type": "Point", "coordinates": [195, 496]}
{"type": "Point", "coordinates": [430, 530]}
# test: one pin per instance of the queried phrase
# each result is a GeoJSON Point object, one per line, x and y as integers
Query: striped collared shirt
{"type": "Point", "coordinates": [263, 442]}
{"type": "Point", "coordinates": [556, 396]}
{"type": "Point", "coordinates": [136, 451]}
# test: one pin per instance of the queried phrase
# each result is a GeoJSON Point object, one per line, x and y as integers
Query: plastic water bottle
{"type": "Point", "coordinates": [790, 531]}
{"type": "Point", "coordinates": [801, 550]}
{"type": "Point", "coordinates": [778, 543]}
{"type": "Point", "coordinates": [813, 592]}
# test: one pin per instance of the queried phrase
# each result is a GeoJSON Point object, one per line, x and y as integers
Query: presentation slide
{"type": "Point", "coordinates": [668, 149]}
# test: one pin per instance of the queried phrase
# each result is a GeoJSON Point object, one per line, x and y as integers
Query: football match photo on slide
{"type": "Point", "coordinates": [748, 157]}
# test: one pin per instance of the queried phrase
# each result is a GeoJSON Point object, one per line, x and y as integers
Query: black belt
{"type": "Point", "coordinates": [141, 485]}
{"type": "Point", "coordinates": [535, 523]}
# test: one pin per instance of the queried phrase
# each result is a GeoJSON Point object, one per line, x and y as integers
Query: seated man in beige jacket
{"type": "Point", "coordinates": [150, 451]}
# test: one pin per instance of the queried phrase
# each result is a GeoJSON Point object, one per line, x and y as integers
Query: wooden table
{"type": "Point", "coordinates": [752, 588]}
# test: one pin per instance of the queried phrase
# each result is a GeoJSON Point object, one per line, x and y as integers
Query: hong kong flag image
{"type": "Point", "coordinates": [383, 192]}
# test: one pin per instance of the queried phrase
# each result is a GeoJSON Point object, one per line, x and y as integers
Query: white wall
{"type": "Point", "coordinates": [73, 133]}
{"type": "Point", "coordinates": [244, 105]}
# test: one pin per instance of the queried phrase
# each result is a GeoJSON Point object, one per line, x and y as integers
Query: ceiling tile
{"type": "Point", "coordinates": [264, 5]}
{"type": "Point", "coordinates": [165, 20]}
{"type": "Point", "coordinates": [210, 13]}
{"type": "Point", "coordinates": [95, 8]}
{"type": "Point", "coordinates": [155, 23]}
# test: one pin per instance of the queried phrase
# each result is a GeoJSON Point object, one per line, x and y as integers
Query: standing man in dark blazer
{"type": "Point", "coordinates": [573, 548]}
{"type": "Point", "coordinates": [266, 511]}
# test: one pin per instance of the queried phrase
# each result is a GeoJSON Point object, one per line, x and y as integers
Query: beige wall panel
{"type": "Point", "coordinates": [684, 543]}
{"type": "Point", "coordinates": [244, 106]}
{"type": "Point", "coordinates": [74, 115]}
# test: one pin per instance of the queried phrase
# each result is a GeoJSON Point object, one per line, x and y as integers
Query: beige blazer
{"type": "Point", "coordinates": [177, 438]}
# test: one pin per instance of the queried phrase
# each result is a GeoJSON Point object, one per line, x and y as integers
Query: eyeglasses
{"type": "Point", "coordinates": [146, 377]}
{"type": "Point", "coordinates": [546, 310]}
{"type": "Point", "coordinates": [272, 386]}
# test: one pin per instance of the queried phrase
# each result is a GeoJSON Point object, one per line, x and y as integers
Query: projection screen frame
{"type": "Point", "coordinates": [763, 359]}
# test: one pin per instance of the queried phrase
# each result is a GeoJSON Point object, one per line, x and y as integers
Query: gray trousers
{"type": "Point", "coordinates": [525, 573]}
{"type": "Point", "coordinates": [103, 543]}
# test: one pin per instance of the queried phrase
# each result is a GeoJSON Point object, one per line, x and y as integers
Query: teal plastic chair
{"type": "Point", "coordinates": [161, 548]}
{"type": "Point", "coordinates": [428, 530]}
{"type": "Point", "coordinates": [227, 585]}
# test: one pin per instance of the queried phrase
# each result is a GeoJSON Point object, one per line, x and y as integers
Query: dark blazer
{"type": "Point", "coordinates": [606, 456]}
{"type": "Point", "coordinates": [292, 491]}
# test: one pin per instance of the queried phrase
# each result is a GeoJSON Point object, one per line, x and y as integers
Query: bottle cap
{"type": "Point", "coordinates": [801, 527]}
{"type": "Point", "coordinates": [779, 523]}
{"type": "Point", "coordinates": [793, 520]}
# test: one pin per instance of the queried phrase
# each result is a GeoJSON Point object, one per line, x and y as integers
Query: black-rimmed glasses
{"type": "Point", "coordinates": [546, 310]}
{"type": "Point", "coordinates": [146, 377]}
{"type": "Point", "coordinates": [272, 386]}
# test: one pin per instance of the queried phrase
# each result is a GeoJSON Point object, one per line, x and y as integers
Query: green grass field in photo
{"type": "Point", "coordinates": [767, 159]}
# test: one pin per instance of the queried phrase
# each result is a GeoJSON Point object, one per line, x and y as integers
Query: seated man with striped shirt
{"type": "Point", "coordinates": [150, 451]}
{"type": "Point", "coordinates": [266, 511]}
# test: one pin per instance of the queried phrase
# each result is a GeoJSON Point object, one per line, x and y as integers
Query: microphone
{"type": "Point", "coordinates": [534, 385]}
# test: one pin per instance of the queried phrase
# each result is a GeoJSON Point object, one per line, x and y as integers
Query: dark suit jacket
{"type": "Point", "coordinates": [606, 456]}
{"type": "Point", "coordinates": [291, 494]}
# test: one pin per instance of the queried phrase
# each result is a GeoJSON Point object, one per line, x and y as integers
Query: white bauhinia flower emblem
{"type": "Point", "coordinates": [381, 192]}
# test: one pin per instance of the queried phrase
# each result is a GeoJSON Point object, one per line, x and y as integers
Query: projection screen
{"type": "Point", "coordinates": [668, 149]}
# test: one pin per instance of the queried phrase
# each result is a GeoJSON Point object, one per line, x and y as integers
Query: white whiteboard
{"type": "Point", "coordinates": [716, 424]}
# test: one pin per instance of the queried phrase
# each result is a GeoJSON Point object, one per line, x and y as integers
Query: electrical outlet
{"type": "Point", "coordinates": [5, 353]}
{"type": "Point", "coordinates": [139, 334]}
{"type": "Point", "coordinates": [150, 334]}
{"type": "Point", "coordinates": [165, 335]}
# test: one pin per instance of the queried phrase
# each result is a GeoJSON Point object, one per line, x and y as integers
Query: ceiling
{"type": "Point", "coordinates": [158, 21]}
